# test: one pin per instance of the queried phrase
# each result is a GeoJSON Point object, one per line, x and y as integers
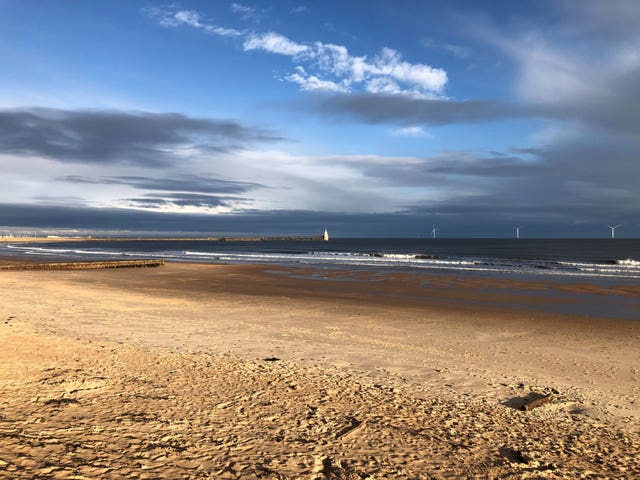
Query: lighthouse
{"type": "Point", "coordinates": [326, 235]}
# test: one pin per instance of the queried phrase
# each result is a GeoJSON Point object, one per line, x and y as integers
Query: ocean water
{"type": "Point", "coordinates": [552, 258]}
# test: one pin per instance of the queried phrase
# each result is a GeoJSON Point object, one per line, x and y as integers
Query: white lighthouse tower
{"type": "Point", "coordinates": [326, 235]}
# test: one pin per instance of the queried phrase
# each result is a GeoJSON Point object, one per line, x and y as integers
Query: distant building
{"type": "Point", "coordinates": [326, 235]}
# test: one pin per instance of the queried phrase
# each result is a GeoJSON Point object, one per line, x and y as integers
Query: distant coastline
{"type": "Point", "coordinates": [315, 238]}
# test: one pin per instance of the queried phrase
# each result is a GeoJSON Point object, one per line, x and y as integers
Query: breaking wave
{"type": "Point", "coordinates": [216, 253]}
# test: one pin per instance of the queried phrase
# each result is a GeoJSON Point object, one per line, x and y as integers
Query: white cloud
{"type": "Point", "coordinates": [382, 85]}
{"type": "Point", "coordinates": [311, 82]}
{"type": "Point", "coordinates": [386, 73]}
{"type": "Point", "coordinates": [247, 12]}
{"type": "Point", "coordinates": [187, 17]}
{"type": "Point", "coordinates": [570, 65]}
{"type": "Point", "coordinates": [242, 9]}
{"type": "Point", "coordinates": [298, 9]}
{"type": "Point", "coordinates": [389, 62]}
{"type": "Point", "coordinates": [190, 18]}
{"type": "Point", "coordinates": [274, 43]}
{"type": "Point", "coordinates": [414, 131]}
{"type": "Point", "coordinates": [326, 66]}
{"type": "Point", "coordinates": [456, 50]}
{"type": "Point", "coordinates": [551, 76]}
{"type": "Point", "coordinates": [327, 183]}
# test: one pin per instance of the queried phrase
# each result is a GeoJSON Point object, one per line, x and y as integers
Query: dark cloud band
{"type": "Point", "coordinates": [465, 220]}
{"type": "Point", "coordinates": [140, 138]}
{"type": "Point", "coordinates": [404, 109]}
{"type": "Point", "coordinates": [182, 183]}
{"type": "Point", "coordinates": [185, 200]}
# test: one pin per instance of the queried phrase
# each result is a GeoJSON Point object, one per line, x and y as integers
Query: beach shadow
{"type": "Point", "coordinates": [59, 402]}
{"type": "Point", "coordinates": [518, 403]}
{"type": "Point", "coordinates": [513, 455]}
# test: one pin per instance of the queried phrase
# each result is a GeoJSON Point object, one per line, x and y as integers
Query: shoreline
{"type": "Point", "coordinates": [571, 296]}
{"type": "Point", "coordinates": [439, 292]}
{"type": "Point", "coordinates": [352, 333]}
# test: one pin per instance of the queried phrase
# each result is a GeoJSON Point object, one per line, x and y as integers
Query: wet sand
{"type": "Point", "coordinates": [162, 373]}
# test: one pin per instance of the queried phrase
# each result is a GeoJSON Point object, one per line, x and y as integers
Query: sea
{"type": "Point", "coordinates": [596, 260]}
{"type": "Point", "coordinates": [607, 263]}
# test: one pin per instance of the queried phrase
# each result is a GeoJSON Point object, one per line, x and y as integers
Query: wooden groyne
{"type": "Point", "coordinates": [86, 265]}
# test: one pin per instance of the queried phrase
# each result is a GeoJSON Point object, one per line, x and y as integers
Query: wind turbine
{"type": "Point", "coordinates": [613, 230]}
{"type": "Point", "coordinates": [517, 231]}
{"type": "Point", "coordinates": [433, 231]}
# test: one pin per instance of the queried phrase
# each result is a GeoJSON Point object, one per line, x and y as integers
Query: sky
{"type": "Point", "coordinates": [369, 118]}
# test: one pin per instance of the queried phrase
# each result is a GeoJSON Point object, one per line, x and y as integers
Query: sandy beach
{"type": "Point", "coordinates": [222, 371]}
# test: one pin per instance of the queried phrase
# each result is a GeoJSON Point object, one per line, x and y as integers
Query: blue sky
{"type": "Point", "coordinates": [230, 117]}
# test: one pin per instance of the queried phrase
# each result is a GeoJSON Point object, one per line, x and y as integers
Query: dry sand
{"type": "Point", "coordinates": [161, 373]}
